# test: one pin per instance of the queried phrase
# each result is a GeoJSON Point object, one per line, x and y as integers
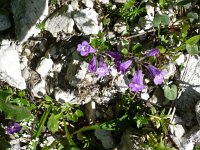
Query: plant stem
{"type": "Point", "coordinates": [41, 124]}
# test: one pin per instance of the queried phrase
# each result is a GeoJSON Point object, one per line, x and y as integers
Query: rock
{"type": "Point", "coordinates": [90, 111]}
{"type": "Point", "coordinates": [88, 3]}
{"type": "Point", "coordinates": [121, 83]}
{"type": "Point", "coordinates": [61, 21]}
{"type": "Point", "coordinates": [39, 89]}
{"type": "Point", "coordinates": [27, 15]}
{"type": "Point", "coordinates": [120, 27]}
{"type": "Point", "coordinates": [180, 60]}
{"type": "Point", "coordinates": [188, 141]}
{"type": "Point", "coordinates": [86, 21]}
{"type": "Point", "coordinates": [9, 57]}
{"type": "Point", "coordinates": [197, 111]}
{"type": "Point", "coordinates": [120, 1]}
{"type": "Point", "coordinates": [4, 22]}
{"type": "Point", "coordinates": [104, 1]}
{"type": "Point", "coordinates": [189, 90]}
{"type": "Point", "coordinates": [157, 97]}
{"type": "Point", "coordinates": [15, 144]}
{"type": "Point", "coordinates": [131, 141]}
{"type": "Point", "coordinates": [76, 74]}
{"type": "Point", "coordinates": [75, 5]}
{"type": "Point", "coordinates": [44, 66]}
{"type": "Point", "coordinates": [105, 137]}
{"type": "Point", "coordinates": [65, 96]}
{"type": "Point", "coordinates": [169, 71]}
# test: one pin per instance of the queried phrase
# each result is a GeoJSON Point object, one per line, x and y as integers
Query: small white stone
{"type": "Point", "coordinates": [169, 71]}
{"type": "Point", "coordinates": [82, 71]}
{"type": "Point", "coordinates": [88, 3]}
{"type": "Point", "coordinates": [104, 1]}
{"type": "Point", "coordinates": [120, 27]}
{"type": "Point", "coordinates": [150, 10]}
{"type": "Point", "coordinates": [180, 60]}
{"type": "Point", "coordinates": [189, 146]}
{"type": "Point", "coordinates": [44, 66]}
{"type": "Point", "coordinates": [64, 96]}
{"type": "Point", "coordinates": [113, 71]}
{"type": "Point", "coordinates": [39, 89]}
{"type": "Point", "coordinates": [145, 96]}
{"type": "Point", "coordinates": [121, 83]}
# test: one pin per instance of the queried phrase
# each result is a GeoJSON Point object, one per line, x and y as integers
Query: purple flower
{"type": "Point", "coordinates": [84, 48]}
{"type": "Point", "coordinates": [115, 55]}
{"type": "Point", "coordinates": [156, 74]}
{"type": "Point", "coordinates": [92, 65]}
{"type": "Point", "coordinates": [153, 52]}
{"type": "Point", "coordinates": [124, 66]}
{"type": "Point", "coordinates": [103, 69]}
{"type": "Point", "coordinates": [12, 128]}
{"type": "Point", "coordinates": [136, 84]}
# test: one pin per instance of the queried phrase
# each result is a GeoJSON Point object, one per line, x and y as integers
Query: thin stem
{"type": "Point", "coordinates": [41, 124]}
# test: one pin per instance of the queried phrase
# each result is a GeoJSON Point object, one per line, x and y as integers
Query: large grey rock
{"type": "Point", "coordinates": [4, 22]}
{"type": "Point", "coordinates": [105, 137]}
{"type": "Point", "coordinates": [189, 140]}
{"type": "Point", "coordinates": [189, 91]}
{"type": "Point", "coordinates": [27, 13]}
{"type": "Point", "coordinates": [10, 65]}
{"type": "Point", "coordinates": [131, 141]}
{"type": "Point", "coordinates": [86, 21]}
{"type": "Point", "coordinates": [61, 21]}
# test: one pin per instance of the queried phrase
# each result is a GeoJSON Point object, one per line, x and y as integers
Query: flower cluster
{"type": "Point", "coordinates": [12, 128]}
{"type": "Point", "coordinates": [136, 84]}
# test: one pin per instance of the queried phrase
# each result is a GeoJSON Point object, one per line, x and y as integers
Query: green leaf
{"type": "Point", "coordinates": [79, 113]}
{"type": "Point", "coordinates": [193, 40]}
{"type": "Point", "coordinates": [185, 29]}
{"type": "Point", "coordinates": [15, 112]}
{"type": "Point", "coordinates": [170, 93]}
{"type": "Point", "coordinates": [5, 145]}
{"type": "Point", "coordinates": [160, 20]}
{"type": "Point", "coordinates": [140, 120]}
{"type": "Point", "coordinates": [115, 124]}
{"type": "Point", "coordinates": [161, 49]}
{"type": "Point", "coordinates": [192, 16]}
{"type": "Point", "coordinates": [52, 124]}
{"type": "Point", "coordinates": [192, 49]}
{"type": "Point", "coordinates": [124, 51]}
{"type": "Point", "coordinates": [5, 94]}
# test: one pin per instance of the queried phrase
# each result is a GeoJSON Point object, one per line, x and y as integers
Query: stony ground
{"type": "Point", "coordinates": [39, 55]}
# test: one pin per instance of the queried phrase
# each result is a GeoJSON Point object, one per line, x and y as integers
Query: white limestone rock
{"type": "Point", "coordinates": [105, 137]}
{"type": "Point", "coordinates": [65, 96]}
{"type": "Point", "coordinates": [61, 21]}
{"type": "Point", "coordinates": [104, 1]}
{"type": "Point", "coordinates": [4, 22]}
{"type": "Point", "coordinates": [27, 14]}
{"type": "Point", "coordinates": [120, 1]}
{"type": "Point", "coordinates": [86, 21]}
{"type": "Point", "coordinates": [88, 3]}
{"type": "Point", "coordinates": [10, 65]}
{"type": "Point", "coordinates": [189, 90]}
{"type": "Point", "coordinates": [121, 83]}
{"type": "Point", "coordinates": [120, 27]}
{"type": "Point", "coordinates": [44, 66]}
{"type": "Point", "coordinates": [39, 89]}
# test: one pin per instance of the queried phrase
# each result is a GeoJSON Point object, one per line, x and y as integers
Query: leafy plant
{"type": "Point", "coordinates": [130, 10]}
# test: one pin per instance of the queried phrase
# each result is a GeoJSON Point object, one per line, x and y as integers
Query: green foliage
{"type": "Point", "coordinates": [41, 26]}
{"type": "Point", "coordinates": [192, 16]}
{"type": "Point", "coordinates": [141, 120]}
{"type": "Point", "coordinates": [130, 10]}
{"type": "Point", "coordinates": [161, 120]}
{"type": "Point", "coordinates": [170, 92]}
{"type": "Point", "coordinates": [53, 122]}
{"type": "Point", "coordinates": [11, 111]}
{"type": "Point", "coordinates": [5, 145]}
{"type": "Point", "coordinates": [160, 20]}
{"type": "Point", "coordinates": [100, 43]}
